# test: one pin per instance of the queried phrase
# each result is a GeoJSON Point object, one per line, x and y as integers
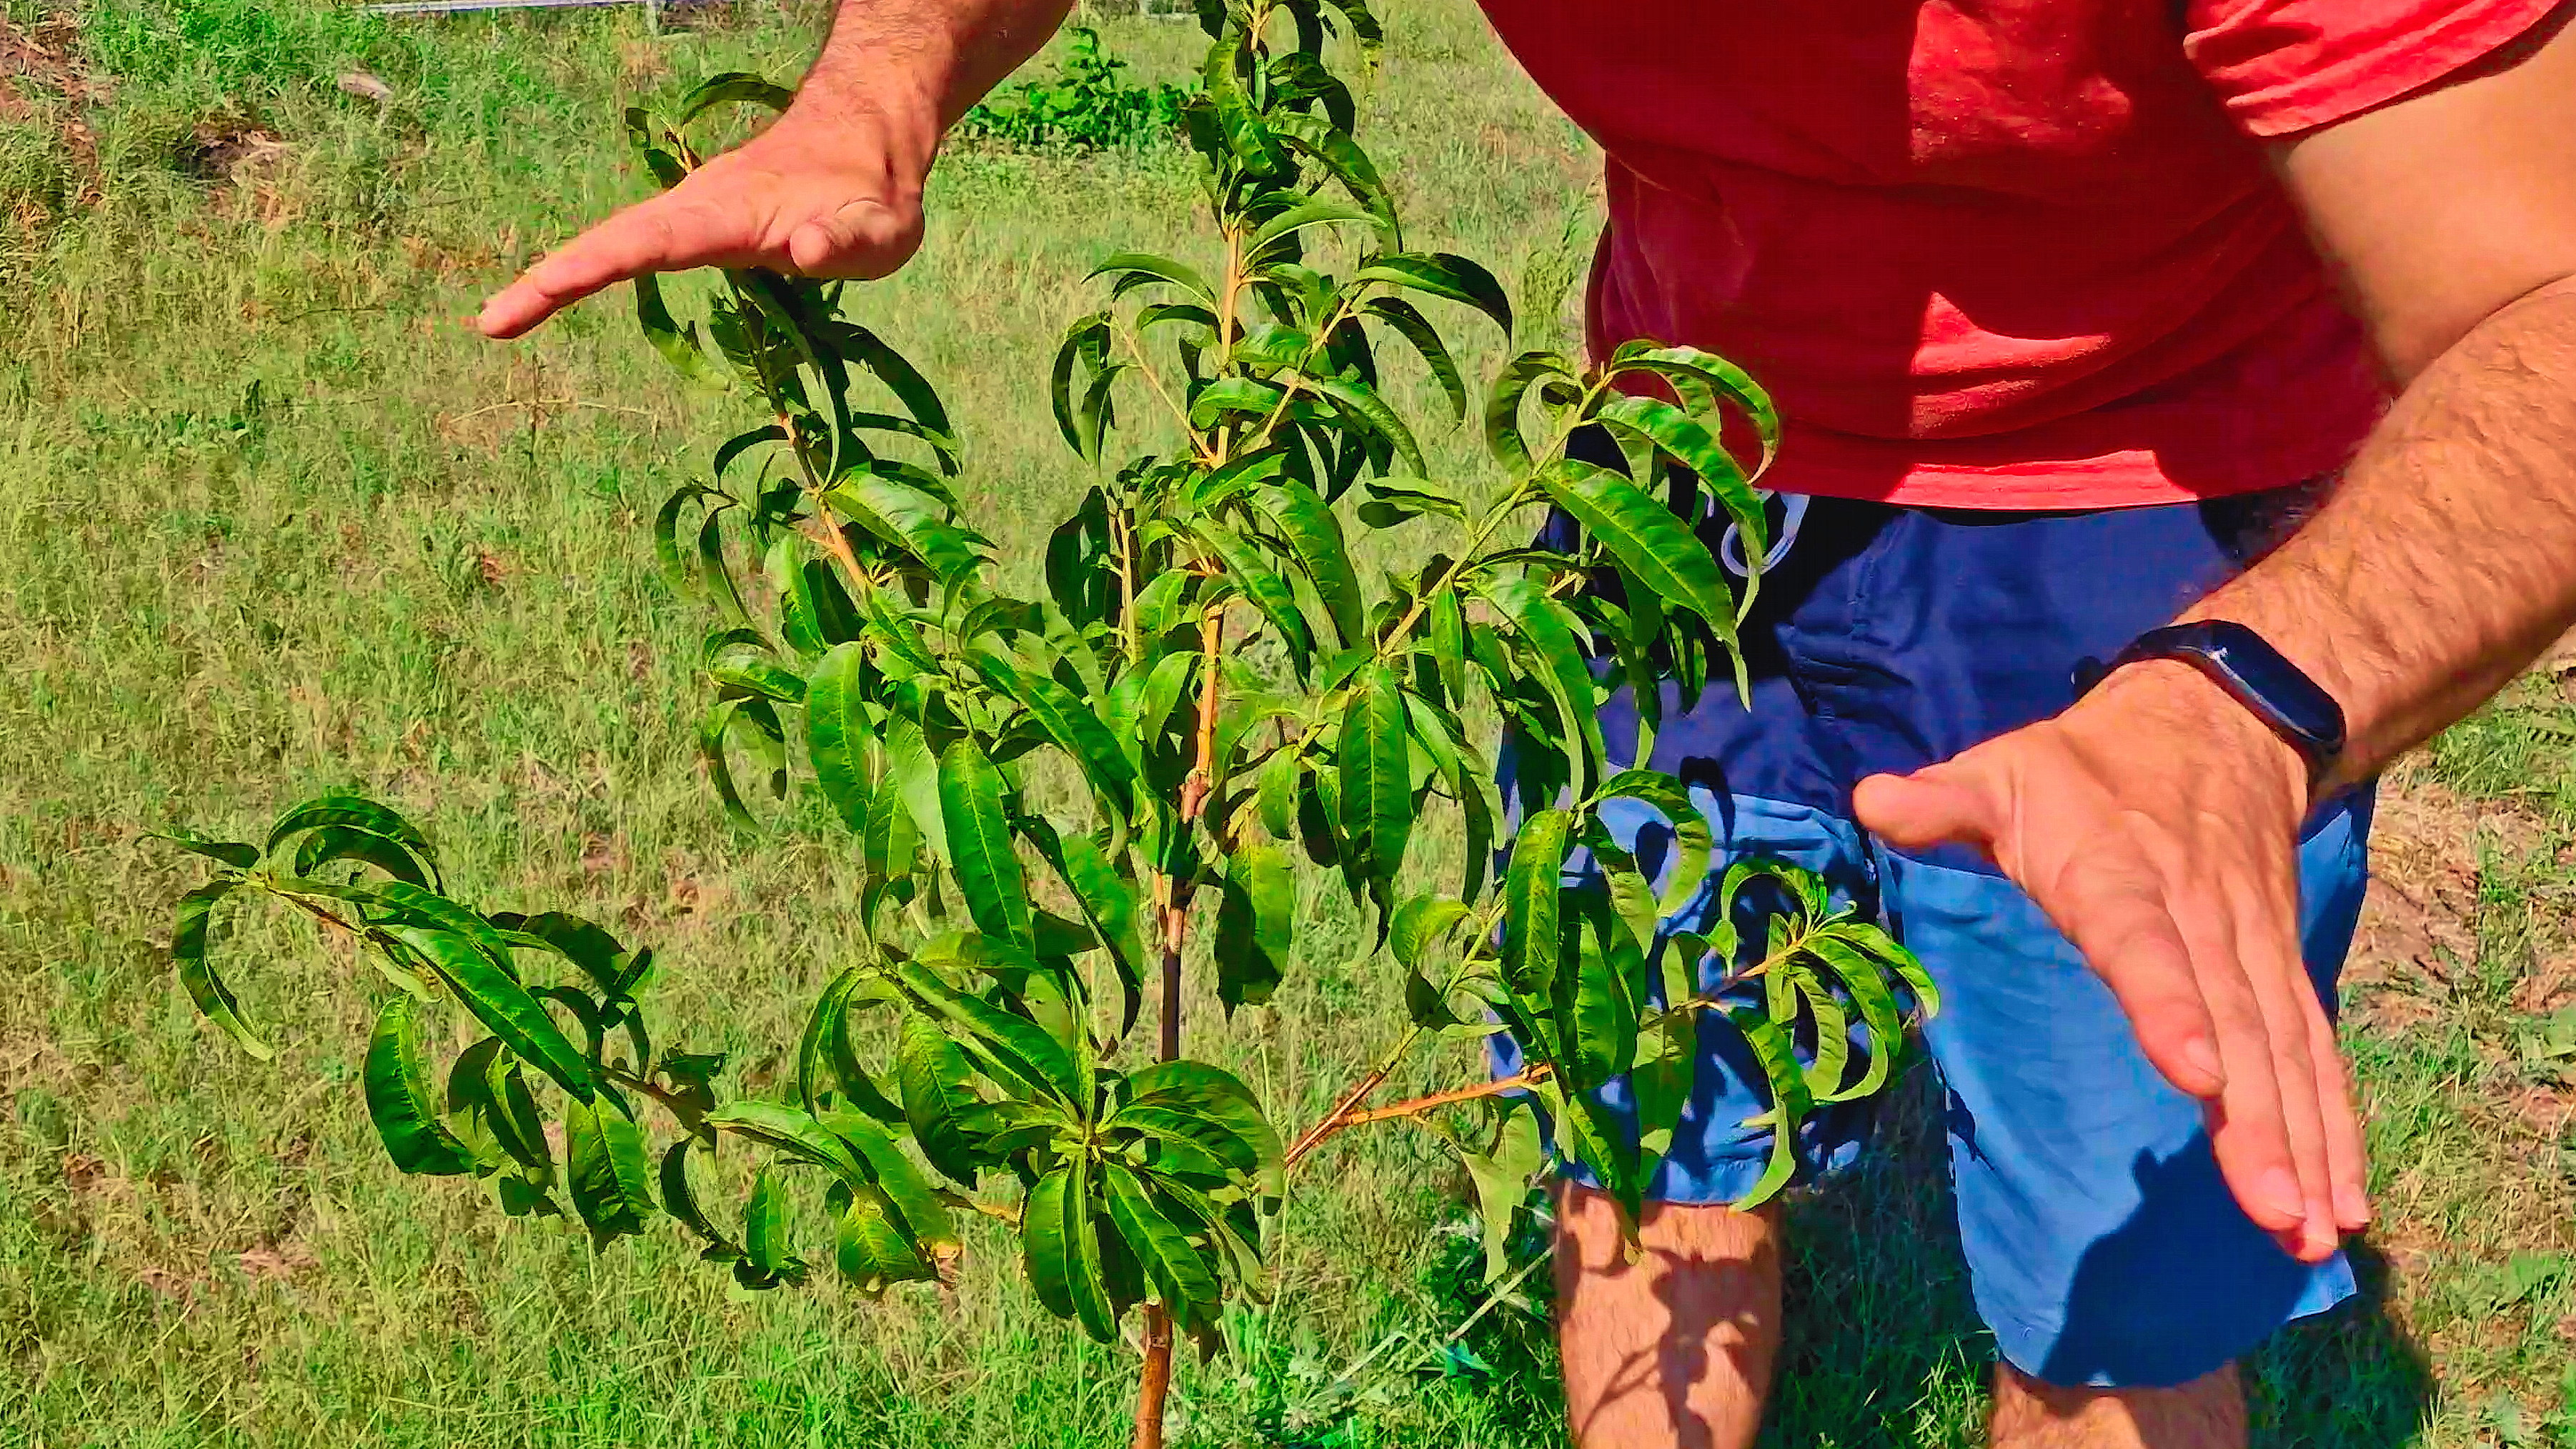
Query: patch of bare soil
{"type": "Point", "coordinates": [43, 60]}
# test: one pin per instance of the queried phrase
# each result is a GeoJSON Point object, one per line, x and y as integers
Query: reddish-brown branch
{"type": "Point", "coordinates": [1156, 1381]}
{"type": "Point", "coordinates": [1344, 1116]}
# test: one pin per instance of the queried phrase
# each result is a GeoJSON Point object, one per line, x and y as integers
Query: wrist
{"type": "Point", "coordinates": [2171, 699]}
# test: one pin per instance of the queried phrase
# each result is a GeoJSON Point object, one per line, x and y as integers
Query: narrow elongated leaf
{"type": "Point", "coordinates": [1219, 1097]}
{"type": "Point", "coordinates": [1501, 1177]}
{"type": "Point", "coordinates": [189, 940]}
{"type": "Point", "coordinates": [361, 813]}
{"type": "Point", "coordinates": [768, 1236]}
{"type": "Point", "coordinates": [1655, 546]}
{"type": "Point", "coordinates": [1363, 402]}
{"type": "Point", "coordinates": [1443, 274]}
{"type": "Point", "coordinates": [1014, 1049]}
{"type": "Point", "coordinates": [487, 1095]}
{"type": "Point", "coordinates": [1503, 406]}
{"type": "Point", "coordinates": [1694, 447]}
{"type": "Point", "coordinates": [1078, 731]}
{"type": "Point", "coordinates": [1045, 1248]}
{"type": "Point", "coordinates": [681, 1200]}
{"type": "Point", "coordinates": [1086, 1281]}
{"type": "Point", "coordinates": [1265, 590]}
{"type": "Point", "coordinates": [1125, 265]}
{"type": "Point", "coordinates": [938, 1089]}
{"type": "Point", "coordinates": [1255, 924]}
{"type": "Point", "coordinates": [837, 734]}
{"type": "Point", "coordinates": [1531, 943]}
{"type": "Point", "coordinates": [871, 1248]}
{"type": "Point", "coordinates": [1181, 1278]}
{"type": "Point", "coordinates": [398, 1100]}
{"type": "Point", "coordinates": [1109, 902]}
{"type": "Point", "coordinates": [926, 1219]}
{"type": "Point", "coordinates": [980, 844]}
{"type": "Point", "coordinates": [1878, 1012]}
{"type": "Point", "coordinates": [239, 854]}
{"type": "Point", "coordinates": [334, 843]}
{"type": "Point", "coordinates": [1377, 776]}
{"type": "Point", "coordinates": [1420, 924]}
{"type": "Point", "coordinates": [503, 1006]}
{"type": "Point", "coordinates": [1413, 327]}
{"type": "Point", "coordinates": [1562, 673]}
{"type": "Point", "coordinates": [1307, 524]}
{"type": "Point", "coordinates": [605, 1169]}
{"type": "Point", "coordinates": [793, 1131]}
{"type": "Point", "coordinates": [914, 774]}
{"type": "Point", "coordinates": [825, 1049]}
{"type": "Point", "coordinates": [733, 85]}
{"type": "Point", "coordinates": [678, 345]}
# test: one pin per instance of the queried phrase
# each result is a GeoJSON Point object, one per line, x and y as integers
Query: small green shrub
{"type": "Point", "coordinates": [1083, 107]}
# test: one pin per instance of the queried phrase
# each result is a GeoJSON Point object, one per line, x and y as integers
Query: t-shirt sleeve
{"type": "Point", "coordinates": [2289, 65]}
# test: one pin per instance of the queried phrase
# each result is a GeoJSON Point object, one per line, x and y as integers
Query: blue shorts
{"type": "Point", "coordinates": [2102, 1244]}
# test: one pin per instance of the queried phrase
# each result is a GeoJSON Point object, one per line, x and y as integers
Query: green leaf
{"type": "Point", "coordinates": [1314, 536]}
{"type": "Point", "coordinates": [1247, 136]}
{"type": "Point", "coordinates": [793, 1131]}
{"type": "Point", "coordinates": [1129, 265]}
{"type": "Point", "coordinates": [1644, 535]}
{"type": "Point", "coordinates": [825, 1047]}
{"type": "Point", "coordinates": [871, 1249]}
{"type": "Point", "coordinates": [837, 733]}
{"type": "Point", "coordinates": [678, 346]}
{"type": "Point", "coordinates": [1696, 448]}
{"type": "Point", "coordinates": [1860, 976]}
{"type": "Point", "coordinates": [1181, 1278]}
{"type": "Point", "coordinates": [1503, 406]}
{"type": "Point", "coordinates": [1090, 1290]}
{"type": "Point", "coordinates": [360, 813]}
{"type": "Point", "coordinates": [1907, 966]}
{"type": "Point", "coordinates": [398, 1100]}
{"type": "Point", "coordinates": [1531, 933]}
{"type": "Point", "coordinates": [1319, 212]}
{"type": "Point", "coordinates": [503, 1006]}
{"type": "Point", "coordinates": [1219, 1097]}
{"type": "Point", "coordinates": [1501, 1177]}
{"type": "Point", "coordinates": [1109, 902]}
{"type": "Point", "coordinates": [1266, 590]}
{"type": "Point", "coordinates": [1362, 401]}
{"type": "Point", "coordinates": [938, 1087]}
{"type": "Point", "coordinates": [900, 377]}
{"type": "Point", "coordinates": [1790, 1102]}
{"type": "Point", "coordinates": [1419, 926]}
{"type": "Point", "coordinates": [334, 843]}
{"type": "Point", "coordinates": [1046, 1247]}
{"type": "Point", "coordinates": [240, 855]}
{"type": "Point", "coordinates": [926, 1219]}
{"type": "Point", "coordinates": [1443, 274]}
{"type": "Point", "coordinates": [1078, 731]}
{"type": "Point", "coordinates": [1013, 1049]}
{"type": "Point", "coordinates": [908, 518]}
{"type": "Point", "coordinates": [605, 1169]}
{"type": "Point", "coordinates": [188, 947]}
{"type": "Point", "coordinates": [1562, 673]}
{"type": "Point", "coordinates": [1413, 327]}
{"type": "Point", "coordinates": [733, 85]}
{"type": "Point", "coordinates": [1694, 842]}
{"type": "Point", "coordinates": [914, 774]}
{"type": "Point", "coordinates": [980, 844]}
{"type": "Point", "coordinates": [755, 722]}
{"type": "Point", "coordinates": [769, 1256]}
{"type": "Point", "coordinates": [1256, 923]}
{"type": "Point", "coordinates": [1710, 371]}
{"type": "Point", "coordinates": [1377, 776]}
{"type": "Point", "coordinates": [488, 1096]}
{"type": "Point", "coordinates": [681, 1200]}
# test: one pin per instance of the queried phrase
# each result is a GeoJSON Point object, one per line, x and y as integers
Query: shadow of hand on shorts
{"type": "Point", "coordinates": [2187, 1268]}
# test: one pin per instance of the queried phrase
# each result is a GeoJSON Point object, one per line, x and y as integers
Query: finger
{"type": "Point", "coordinates": [2249, 1133]}
{"type": "Point", "coordinates": [862, 240]}
{"type": "Point", "coordinates": [2347, 1155]}
{"type": "Point", "coordinates": [2111, 904]}
{"type": "Point", "coordinates": [1941, 804]}
{"type": "Point", "coordinates": [2268, 953]}
{"type": "Point", "coordinates": [668, 233]}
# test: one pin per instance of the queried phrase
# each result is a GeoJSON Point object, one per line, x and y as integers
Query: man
{"type": "Point", "coordinates": [2046, 290]}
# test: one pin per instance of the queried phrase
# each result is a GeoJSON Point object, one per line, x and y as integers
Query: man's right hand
{"type": "Point", "coordinates": [817, 194]}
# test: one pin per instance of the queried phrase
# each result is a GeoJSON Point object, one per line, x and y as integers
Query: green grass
{"type": "Point", "coordinates": [271, 521]}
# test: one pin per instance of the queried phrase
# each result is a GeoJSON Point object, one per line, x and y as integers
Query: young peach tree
{"type": "Point", "coordinates": [1050, 797]}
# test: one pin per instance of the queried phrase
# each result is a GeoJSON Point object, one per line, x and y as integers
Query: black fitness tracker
{"type": "Point", "coordinates": [2252, 672]}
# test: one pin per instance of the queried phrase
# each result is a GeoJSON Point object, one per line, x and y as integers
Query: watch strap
{"type": "Point", "coordinates": [2252, 672]}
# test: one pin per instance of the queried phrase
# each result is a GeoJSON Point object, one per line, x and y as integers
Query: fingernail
{"type": "Point", "coordinates": [2279, 1190]}
{"type": "Point", "coordinates": [2203, 1056]}
{"type": "Point", "coordinates": [2352, 1209]}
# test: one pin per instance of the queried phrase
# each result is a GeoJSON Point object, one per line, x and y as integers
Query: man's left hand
{"type": "Point", "coordinates": [2157, 824]}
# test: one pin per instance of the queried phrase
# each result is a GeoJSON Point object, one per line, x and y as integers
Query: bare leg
{"type": "Point", "coordinates": [1673, 1351]}
{"type": "Point", "coordinates": [2207, 1413]}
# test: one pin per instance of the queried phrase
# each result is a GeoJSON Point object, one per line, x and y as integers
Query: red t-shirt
{"type": "Point", "coordinates": [1994, 253]}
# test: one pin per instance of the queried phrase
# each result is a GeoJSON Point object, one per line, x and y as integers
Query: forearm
{"type": "Point", "coordinates": [923, 63]}
{"type": "Point", "coordinates": [2446, 559]}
